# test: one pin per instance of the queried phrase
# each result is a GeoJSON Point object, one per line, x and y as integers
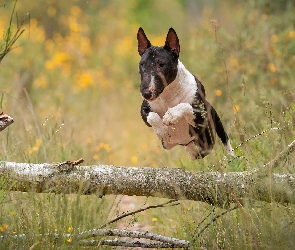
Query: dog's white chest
{"type": "Point", "coordinates": [174, 110]}
{"type": "Point", "coordinates": [181, 90]}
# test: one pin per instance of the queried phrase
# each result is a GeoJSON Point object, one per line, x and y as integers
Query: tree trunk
{"type": "Point", "coordinates": [215, 188]}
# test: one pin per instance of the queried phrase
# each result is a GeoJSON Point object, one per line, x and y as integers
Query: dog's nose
{"type": "Point", "coordinates": [147, 94]}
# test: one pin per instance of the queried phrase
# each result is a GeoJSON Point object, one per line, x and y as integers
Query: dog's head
{"type": "Point", "coordinates": [158, 64]}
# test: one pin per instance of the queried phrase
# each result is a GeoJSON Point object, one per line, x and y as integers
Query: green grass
{"type": "Point", "coordinates": [78, 64]}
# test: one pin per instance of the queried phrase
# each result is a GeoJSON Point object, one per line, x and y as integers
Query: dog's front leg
{"type": "Point", "coordinates": [159, 128]}
{"type": "Point", "coordinates": [182, 110]}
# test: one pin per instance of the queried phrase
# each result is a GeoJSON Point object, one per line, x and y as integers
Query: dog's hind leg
{"type": "Point", "coordinates": [194, 151]}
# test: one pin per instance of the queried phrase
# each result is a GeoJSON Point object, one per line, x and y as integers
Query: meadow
{"type": "Point", "coordinates": [71, 83]}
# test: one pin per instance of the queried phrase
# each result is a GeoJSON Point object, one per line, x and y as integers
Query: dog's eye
{"type": "Point", "coordinates": [141, 66]}
{"type": "Point", "coordinates": [161, 65]}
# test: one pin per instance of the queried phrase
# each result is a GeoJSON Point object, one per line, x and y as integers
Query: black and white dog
{"type": "Point", "coordinates": [174, 100]}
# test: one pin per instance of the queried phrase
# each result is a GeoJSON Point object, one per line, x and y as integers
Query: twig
{"type": "Point", "coordinates": [129, 244]}
{"type": "Point", "coordinates": [242, 143]}
{"type": "Point", "coordinates": [131, 234]}
{"type": "Point", "coordinates": [68, 165]}
{"type": "Point", "coordinates": [200, 223]}
{"type": "Point", "coordinates": [215, 218]}
{"type": "Point", "coordinates": [281, 156]}
{"type": "Point", "coordinates": [254, 136]}
{"type": "Point", "coordinates": [140, 210]}
{"type": "Point", "coordinates": [163, 241]}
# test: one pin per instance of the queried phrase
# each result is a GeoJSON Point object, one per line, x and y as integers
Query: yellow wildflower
{"type": "Point", "coordinates": [36, 147]}
{"type": "Point", "coordinates": [60, 57]}
{"type": "Point", "coordinates": [38, 142]}
{"type": "Point", "coordinates": [83, 80]}
{"type": "Point", "coordinates": [41, 82]}
{"type": "Point", "coordinates": [3, 227]}
{"type": "Point", "coordinates": [236, 108]}
{"type": "Point", "coordinates": [73, 24]}
{"type": "Point", "coordinates": [105, 146]}
{"type": "Point", "coordinates": [291, 34]}
{"type": "Point", "coordinates": [70, 228]}
{"type": "Point", "coordinates": [272, 67]}
{"type": "Point", "coordinates": [134, 159]}
{"type": "Point", "coordinates": [76, 11]}
{"type": "Point", "coordinates": [218, 92]}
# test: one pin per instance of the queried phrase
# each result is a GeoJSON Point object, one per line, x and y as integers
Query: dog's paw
{"type": "Point", "coordinates": [182, 110]}
{"type": "Point", "coordinates": [160, 130]}
{"type": "Point", "coordinates": [169, 119]}
{"type": "Point", "coordinates": [154, 119]}
{"type": "Point", "coordinates": [162, 133]}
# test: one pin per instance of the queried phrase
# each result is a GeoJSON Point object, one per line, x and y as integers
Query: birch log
{"type": "Point", "coordinates": [215, 188]}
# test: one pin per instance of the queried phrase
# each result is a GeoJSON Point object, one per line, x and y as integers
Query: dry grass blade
{"type": "Point", "coordinates": [8, 40]}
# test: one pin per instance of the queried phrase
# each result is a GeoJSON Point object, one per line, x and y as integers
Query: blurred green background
{"type": "Point", "coordinates": [71, 83]}
{"type": "Point", "coordinates": [77, 61]}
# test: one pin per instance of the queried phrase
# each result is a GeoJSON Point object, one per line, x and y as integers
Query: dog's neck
{"type": "Point", "coordinates": [181, 90]}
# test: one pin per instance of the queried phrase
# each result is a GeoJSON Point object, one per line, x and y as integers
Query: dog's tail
{"type": "Point", "coordinates": [221, 132]}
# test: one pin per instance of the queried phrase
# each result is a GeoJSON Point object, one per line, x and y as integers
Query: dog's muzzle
{"type": "Point", "coordinates": [148, 93]}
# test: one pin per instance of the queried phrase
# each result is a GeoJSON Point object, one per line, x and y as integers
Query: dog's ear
{"type": "Point", "coordinates": [172, 42]}
{"type": "Point", "coordinates": [143, 42]}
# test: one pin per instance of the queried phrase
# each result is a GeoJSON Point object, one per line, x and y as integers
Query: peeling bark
{"type": "Point", "coordinates": [5, 121]}
{"type": "Point", "coordinates": [215, 188]}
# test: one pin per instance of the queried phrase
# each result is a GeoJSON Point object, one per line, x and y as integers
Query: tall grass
{"type": "Point", "coordinates": [71, 85]}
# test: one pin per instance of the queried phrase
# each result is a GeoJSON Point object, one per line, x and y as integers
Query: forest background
{"type": "Point", "coordinates": [71, 83]}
